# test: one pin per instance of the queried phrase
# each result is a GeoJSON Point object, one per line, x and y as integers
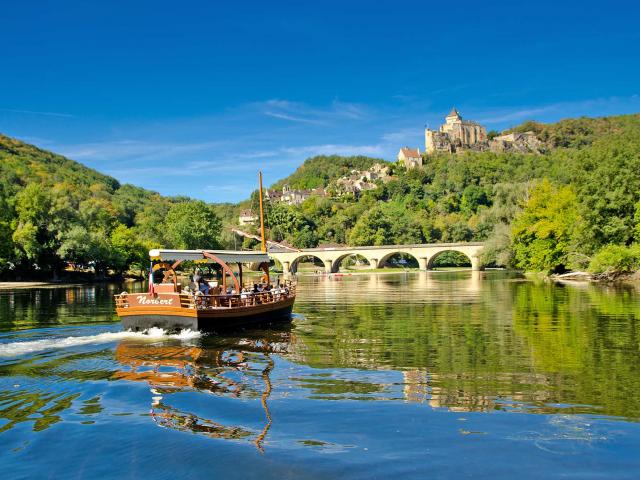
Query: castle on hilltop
{"type": "Point", "coordinates": [459, 135]}
{"type": "Point", "coordinates": [456, 134]}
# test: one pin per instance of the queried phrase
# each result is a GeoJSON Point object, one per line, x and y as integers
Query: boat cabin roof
{"type": "Point", "coordinates": [227, 256]}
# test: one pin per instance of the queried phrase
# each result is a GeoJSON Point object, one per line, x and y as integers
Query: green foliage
{"type": "Point", "coordinates": [637, 221]}
{"type": "Point", "coordinates": [386, 224]}
{"type": "Point", "coordinates": [451, 259]}
{"type": "Point", "coordinates": [128, 250]}
{"type": "Point", "coordinates": [542, 233]}
{"type": "Point", "coordinates": [475, 196]}
{"type": "Point", "coordinates": [55, 212]}
{"type": "Point", "coordinates": [616, 260]}
{"type": "Point", "coordinates": [319, 171]}
{"type": "Point", "coordinates": [193, 224]}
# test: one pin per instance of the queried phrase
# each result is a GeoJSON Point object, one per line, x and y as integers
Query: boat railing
{"type": "Point", "coordinates": [233, 300]}
{"type": "Point", "coordinates": [246, 299]}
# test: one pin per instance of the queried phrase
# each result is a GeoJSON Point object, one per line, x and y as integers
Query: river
{"type": "Point", "coordinates": [419, 375]}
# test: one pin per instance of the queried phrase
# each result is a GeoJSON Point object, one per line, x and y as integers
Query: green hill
{"type": "Point", "coordinates": [549, 212]}
{"type": "Point", "coordinates": [54, 211]}
{"type": "Point", "coordinates": [574, 206]}
{"type": "Point", "coordinates": [319, 171]}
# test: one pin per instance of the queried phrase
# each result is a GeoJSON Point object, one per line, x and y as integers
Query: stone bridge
{"type": "Point", "coordinates": [376, 256]}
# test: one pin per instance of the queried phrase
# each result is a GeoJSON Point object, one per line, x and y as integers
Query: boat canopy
{"type": "Point", "coordinates": [227, 256]}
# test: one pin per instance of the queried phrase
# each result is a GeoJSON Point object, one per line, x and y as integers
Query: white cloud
{"type": "Point", "coordinates": [34, 112]}
{"type": "Point", "coordinates": [303, 113]}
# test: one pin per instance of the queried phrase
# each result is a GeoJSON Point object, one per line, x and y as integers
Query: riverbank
{"type": "Point", "coordinates": [581, 276]}
{"type": "Point", "coordinates": [16, 285]}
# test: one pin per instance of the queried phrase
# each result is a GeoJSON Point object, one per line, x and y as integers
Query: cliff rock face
{"type": "Point", "coordinates": [525, 142]}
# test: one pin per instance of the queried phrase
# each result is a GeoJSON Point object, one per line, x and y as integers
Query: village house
{"type": "Point", "coordinates": [293, 197]}
{"type": "Point", "coordinates": [410, 157]}
{"type": "Point", "coordinates": [361, 180]}
{"type": "Point", "coordinates": [247, 217]}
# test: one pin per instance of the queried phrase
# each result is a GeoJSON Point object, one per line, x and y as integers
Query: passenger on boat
{"type": "Point", "coordinates": [216, 290]}
{"type": "Point", "coordinates": [197, 276]}
{"type": "Point", "coordinates": [203, 286]}
{"type": "Point", "coordinates": [201, 300]}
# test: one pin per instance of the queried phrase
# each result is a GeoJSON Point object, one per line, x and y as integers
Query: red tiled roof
{"type": "Point", "coordinates": [410, 152]}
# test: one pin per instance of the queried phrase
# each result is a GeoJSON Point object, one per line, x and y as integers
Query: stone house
{"type": "Point", "coordinates": [410, 157]}
{"type": "Point", "coordinates": [361, 180]}
{"type": "Point", "coordinates": [293, 197]}
{"type": "Point", "coordinates": [247, 217]}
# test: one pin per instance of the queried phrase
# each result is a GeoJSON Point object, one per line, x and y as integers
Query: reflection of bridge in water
{"type": "Point", "coordinates": [377, 256]}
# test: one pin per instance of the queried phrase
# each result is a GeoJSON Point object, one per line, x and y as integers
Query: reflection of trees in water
{"type": "Point", "coordinates": [448, 340]}
{"type": "Point", "coordinates": [25, 403]}
{"type": "Point", "coordinates": [586, 341]}
{"type": "Point", "coordinates": [21, 308]}
{"type": "Point", "coordinates": [41, 408]}
{"type": "Point", "coordinates": [241, 370]}
{"type": "Point", "coordinates": [514, 344]}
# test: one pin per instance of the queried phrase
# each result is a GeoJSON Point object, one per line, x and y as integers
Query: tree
{"type": "Point", "coordinates": [127, 250]}
{"type": "Point", "coordinates": [31, 235]}
{"type": "Point", "coordinates": [150, 221]}
{"type": "Point", "coordinates": [542, 233]}
{"type": "Point", "coordinates": [191, 225]}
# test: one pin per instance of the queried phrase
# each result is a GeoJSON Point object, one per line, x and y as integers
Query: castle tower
{"type": "Point", "coordinates": [455, 135]}
{"type": "Point", "coordinates": [453, 117]}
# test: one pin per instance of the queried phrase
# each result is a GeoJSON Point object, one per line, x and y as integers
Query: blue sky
{"type": "Point", "coordinates": [194, 98]}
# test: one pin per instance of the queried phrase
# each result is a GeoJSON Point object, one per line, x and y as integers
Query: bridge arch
{"type": "Point", "coordinates": [335, 266]}
{"type": "Point", "coordinates": [382, 261]}
{"type": "Point", "coordinates": [296, 261]}
{"type": "Point", "coordinates": [456, 254]}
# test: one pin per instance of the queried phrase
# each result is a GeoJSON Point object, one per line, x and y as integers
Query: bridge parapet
{"type": "Point", "coordinates": [331, 257]}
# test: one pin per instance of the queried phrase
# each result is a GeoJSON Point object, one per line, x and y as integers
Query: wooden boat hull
{"type": "Point", "coordinates": [216, 319]}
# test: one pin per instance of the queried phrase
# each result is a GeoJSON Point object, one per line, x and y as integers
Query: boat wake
{"type": "Point", "coordinates": [15, 349]}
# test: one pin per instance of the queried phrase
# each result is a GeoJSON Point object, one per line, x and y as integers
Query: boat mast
{"type": "Point", "coordinates": [264, 241]}
{"type": "Point", "coordinates": [265, 266]}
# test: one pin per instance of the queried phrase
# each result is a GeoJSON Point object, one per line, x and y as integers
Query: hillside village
{"type": "Point", "coordinates": [354, 183]}
{"type": "Point", "coordinates": [456, 135]}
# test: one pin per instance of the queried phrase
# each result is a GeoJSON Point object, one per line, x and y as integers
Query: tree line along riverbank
{"type": "Point", "coordinates": [576, 206]}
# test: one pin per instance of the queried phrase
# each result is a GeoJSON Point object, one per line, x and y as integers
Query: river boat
{"type": "Point", "coordinates": [226, 304]}
{"type": "Point", "coordinates": [166, 305]}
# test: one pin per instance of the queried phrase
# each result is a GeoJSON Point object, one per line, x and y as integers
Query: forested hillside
{"type": "Point", "coordinates": [547, 212]}
{"type": "Point", "coordinates": [319, 171]}
{"type": "Point", "coordinates": [55, 212]}
{"type": "Point", "coordinates": [575, 206]}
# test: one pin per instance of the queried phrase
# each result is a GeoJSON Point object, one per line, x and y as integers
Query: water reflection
{"type": "Point", "coordinates": [481, 341]}
{"type": "Point", "coordinates": [233, 367]}
{"type": "Point", "coordinates": [37, 307]}
{"type": "Point", "coordinates": [461, 342]}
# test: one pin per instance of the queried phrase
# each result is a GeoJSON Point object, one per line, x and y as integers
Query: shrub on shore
{"type": "Point", "coordinates": [615, 260]}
